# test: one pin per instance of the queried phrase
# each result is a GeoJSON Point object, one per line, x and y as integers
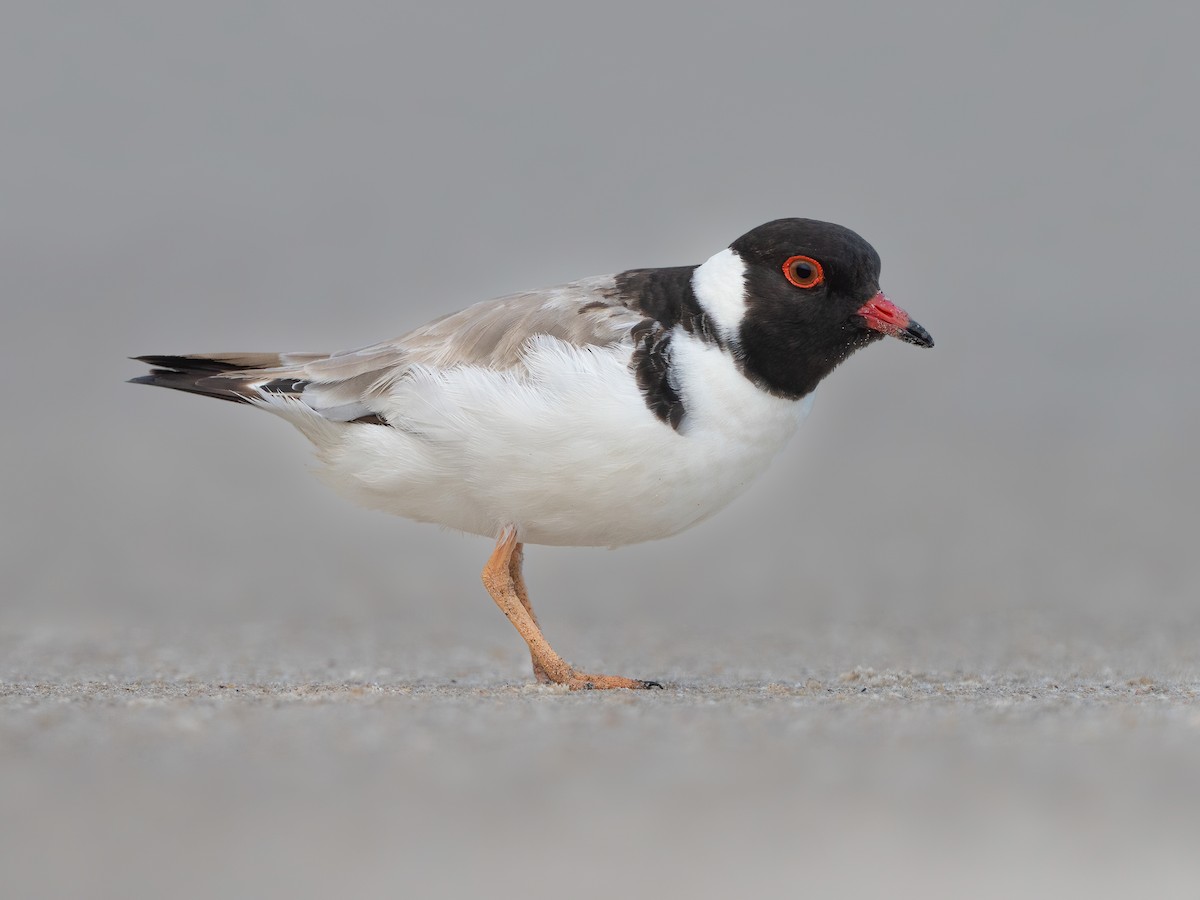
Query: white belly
{"type": "Point", "coordinates": [565, 450]}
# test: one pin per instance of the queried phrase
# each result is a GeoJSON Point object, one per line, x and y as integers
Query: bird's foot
{"type": "Point", "coordinates": [540, 674]}
{"type": "Point", "coordinates": [581, 681]}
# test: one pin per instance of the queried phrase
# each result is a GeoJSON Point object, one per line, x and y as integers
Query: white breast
{"type": "Point", "coordinates": [566, 450]}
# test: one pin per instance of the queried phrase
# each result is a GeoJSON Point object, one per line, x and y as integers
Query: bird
{"type": "Point", "coordinates": [603, 412]}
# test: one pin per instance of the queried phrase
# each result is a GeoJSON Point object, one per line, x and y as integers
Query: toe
{"type": "Point", "coordinates": [578, 681]}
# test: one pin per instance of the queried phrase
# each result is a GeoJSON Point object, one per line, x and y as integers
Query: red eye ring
{"type": "Point", "coordinates": [803, 271]}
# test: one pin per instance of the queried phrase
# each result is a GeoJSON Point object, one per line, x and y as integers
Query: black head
{"type": "Point", "coordinates": [812, 298]}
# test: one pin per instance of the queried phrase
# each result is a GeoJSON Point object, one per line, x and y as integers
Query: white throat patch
{"type": "Point", "coordinates": [720, 288]}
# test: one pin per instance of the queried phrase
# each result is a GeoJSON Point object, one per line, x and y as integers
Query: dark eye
{"type": "Point", "coordinates": [803, 271]}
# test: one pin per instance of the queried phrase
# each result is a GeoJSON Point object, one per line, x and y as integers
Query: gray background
{"type": "Point", "coordinates": [947, 645]}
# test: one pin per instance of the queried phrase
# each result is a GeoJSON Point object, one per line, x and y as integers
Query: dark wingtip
{"type": "Point", "coordinates": [197, 365]}
{"type": "Point", "coordinates": [162, 362]}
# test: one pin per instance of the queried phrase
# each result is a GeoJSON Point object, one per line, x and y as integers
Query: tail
{"type": "Point", "coordinates": [277, 382]}
{"type": "Point", "coordinates": [240, 377]}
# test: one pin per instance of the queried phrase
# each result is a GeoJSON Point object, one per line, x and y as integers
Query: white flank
{"type": "Point", "coordinates": [720, 287]}
{"type": "Point", "coordinates": [564, 448]}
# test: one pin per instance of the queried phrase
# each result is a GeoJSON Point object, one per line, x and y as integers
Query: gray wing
{"type": "Point", "coordinates": [345, 386]}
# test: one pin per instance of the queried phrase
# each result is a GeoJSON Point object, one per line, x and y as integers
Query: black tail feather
{"type": "Point", "coordinates": [204, 374]}
{"type": "Point", "coordinates": [237, 377]}
{"type": "Point", "coordinates": [181, 381]}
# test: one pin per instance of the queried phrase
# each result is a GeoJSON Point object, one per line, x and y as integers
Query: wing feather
{"type": "Point", "coordinates": [348, 386]}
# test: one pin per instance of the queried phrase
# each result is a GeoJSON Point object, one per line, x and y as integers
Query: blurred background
{"type": "Point", "coordinates": [953, 627]}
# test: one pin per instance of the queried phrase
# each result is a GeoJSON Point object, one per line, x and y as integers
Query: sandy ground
{"type": "Point", "coordinates": [238, 762]}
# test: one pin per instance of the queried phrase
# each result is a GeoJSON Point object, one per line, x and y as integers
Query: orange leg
{"type": "Point", "coordinates": [502, 578]}
{"type": "Point", "coordinates": [518, 582]}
